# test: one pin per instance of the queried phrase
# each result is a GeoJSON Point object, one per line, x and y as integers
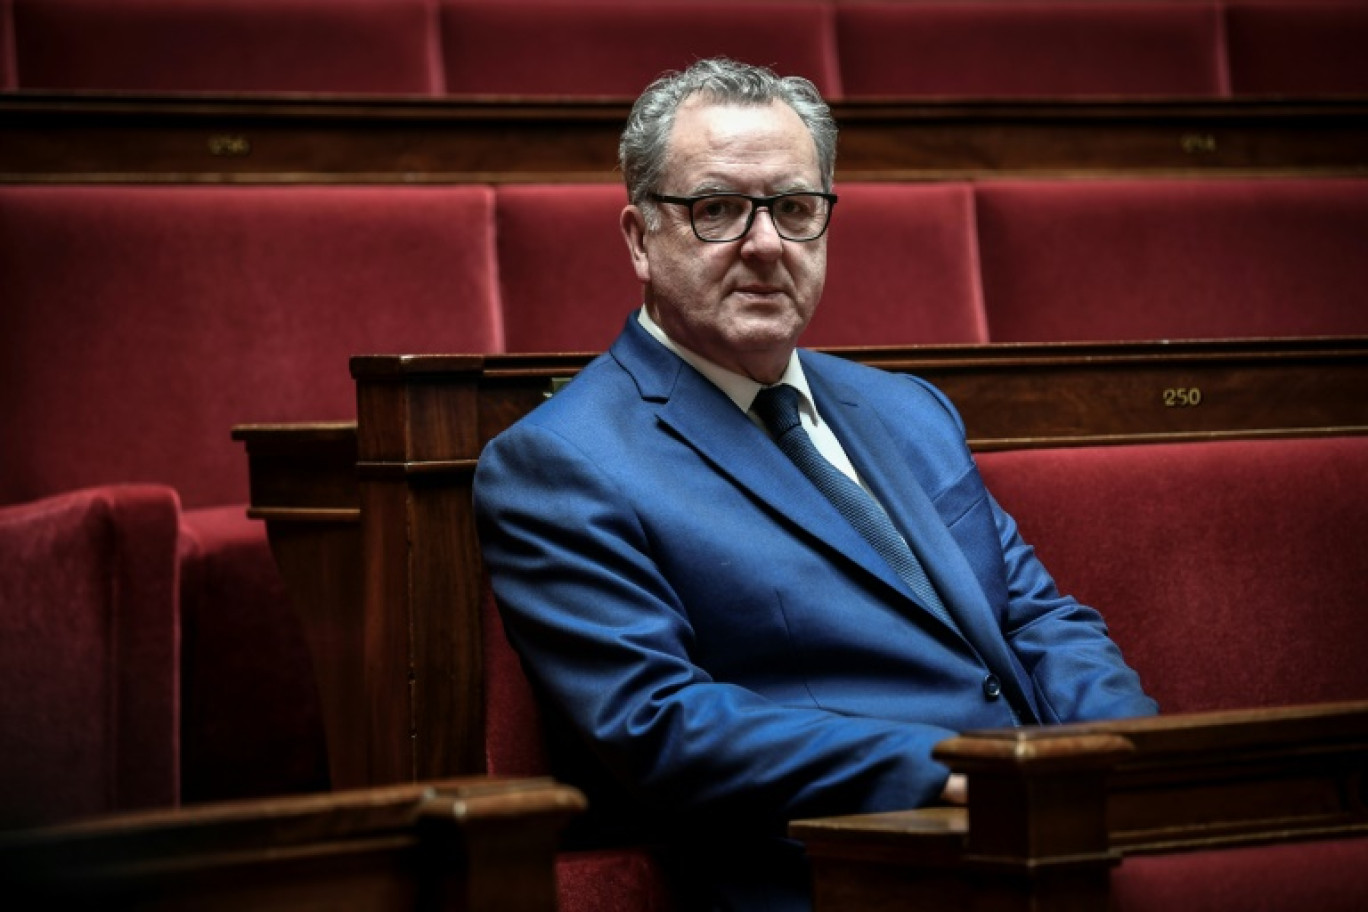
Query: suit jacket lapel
{"type": "Point", "coordinates": [704, 418]}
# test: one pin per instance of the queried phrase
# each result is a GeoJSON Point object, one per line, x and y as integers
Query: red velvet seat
{"type": "Point", "coordinates": [902, 268]}
{"type": "Point", "coordinates": [617, 47]}
{"type": "Point", "coordinates": [142, 323]}
{"type": "Point", "coordinates": [1169, 259]}
{"type": "Point", "coordinates": [1000, 48]}
{"type": "Point", "coordinates": [1231, 573]}
{"type": "Point", "coordinates": [89, 661]}
{"type": "Point", "coordinates": [1297, 47]}
{"type": "Point", "coordinates": [343, 46]}
{"type": "Point", "coordinates": [623, 879]}
{"type": "Point", "coordinates": [566, 281]}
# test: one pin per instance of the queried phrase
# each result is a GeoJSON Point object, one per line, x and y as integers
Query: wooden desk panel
{"type": "Point", "coordinates": [112, 137]}
{"type": "Point", "coordinates": [473, 844]}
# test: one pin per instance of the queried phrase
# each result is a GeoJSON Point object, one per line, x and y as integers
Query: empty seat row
{"type": "Point", "coordinates": [141, 323]}
{"type": "Point", "coordinates": [915, 48]}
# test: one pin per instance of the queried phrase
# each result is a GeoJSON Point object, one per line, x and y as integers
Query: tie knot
{"type": "Point", "coordinates": [777, 407]}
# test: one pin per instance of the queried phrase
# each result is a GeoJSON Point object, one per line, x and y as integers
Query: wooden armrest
{"type": "Point", "coordinates": [476, 843]}
{"type": "Point", "coordinates": [1052, 809]}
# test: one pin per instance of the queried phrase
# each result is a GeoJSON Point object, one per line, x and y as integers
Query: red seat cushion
{"type": "Point", "coordinates": [343, 46]}
{"type": "Point", "coordinates": [251, 718]}
{"type": "Point", "coordinates": [89, 661]}
{"type": "Point", "coordinates": [1293, 877]}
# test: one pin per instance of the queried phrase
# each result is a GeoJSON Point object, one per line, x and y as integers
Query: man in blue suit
{"type": "Point", "coordinates": [717, 647]}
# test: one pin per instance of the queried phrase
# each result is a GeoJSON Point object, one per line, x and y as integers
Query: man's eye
{"type": "Point", "coordinates": [794, 205]}
{"type": "Point", "coordinates": [718, 208]}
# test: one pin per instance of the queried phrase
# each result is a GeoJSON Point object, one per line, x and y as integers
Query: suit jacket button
{"type": "Point", "coordinates": [992, 687]}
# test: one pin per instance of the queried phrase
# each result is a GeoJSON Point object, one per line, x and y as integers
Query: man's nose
{"type": "Point", "coordinates": [763, 237]}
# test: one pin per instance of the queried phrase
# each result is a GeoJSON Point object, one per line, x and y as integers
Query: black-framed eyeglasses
{"type": "Point", "coordinates": [718, 218]}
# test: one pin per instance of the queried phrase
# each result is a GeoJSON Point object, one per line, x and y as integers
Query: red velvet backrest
{"type": "Point", "coordinates": [342, 46]}
{"type": "Point", "coordinates": [565, 277]}
{"type": "Point", "coordinates": [1004, 49]}
{"type": "Point", "coordinates": [617, 47]}
{"type": "Point", "coordinates": [1297, 47]}
{"type": "Point", "coordinates": [902, 268]}
{"type": "Point", "coordinates": [513, 731]}
{"type": "Point", "coordinates": [1231, 573]}
{"type": "Point", "coordinates": [1168, 259]}
{"type": "Point", "coordinates": [8, 78]}
{"type": "Point", "coordinates": [89, 665]}
{"type": "Point", "coordinates": [141, 323]}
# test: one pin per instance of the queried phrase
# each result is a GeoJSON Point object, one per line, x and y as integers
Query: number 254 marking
{"type": "Point", "coordinates": [1182, 397]}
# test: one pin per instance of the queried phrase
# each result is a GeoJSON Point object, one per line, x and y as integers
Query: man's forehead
{"type": "Point", "coordinates": [706, 129]}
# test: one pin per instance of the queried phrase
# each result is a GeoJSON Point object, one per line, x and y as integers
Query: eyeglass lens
{"type": "Point", "coordinates": [797, 216]}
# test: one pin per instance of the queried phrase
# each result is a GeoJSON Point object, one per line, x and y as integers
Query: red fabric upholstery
{"type": "Point", "coordinates": [89, 668]}
{"type": "Point", "coordinates": [347, 46]}
{"type": "Point", "coordinates": [1290, 877]}
{"type": "Point", "coordinates": [566, 281]}
{"type": "Point", "coordinates": [8, 78]}
{"type": "Point", "coordinates": [1231, 574]}
{"type": "Point", "coordinates": [902, 268]}
{"type": "Point", "coordinates": [251, 717]}
{"type": "Point", "coordinates": [513, 728]}
{"type": "Point", "coordinates": [142, 323]}
{"type": "Point", "coordinates": [1167, 259]}
{"type": "Point", "coordinates": [999, 48]}
{"type": "Point", "coordinates": [619, 879]}
{"type": "Point", "coordinates": [1297, 47]}
{"type": "Point", "coordinates": [617, 47]}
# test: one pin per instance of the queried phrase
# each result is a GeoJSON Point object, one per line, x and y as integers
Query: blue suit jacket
{"type": "Point", "coordinates": [718, 642]}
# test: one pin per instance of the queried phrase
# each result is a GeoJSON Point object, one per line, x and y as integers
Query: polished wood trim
{"type": "Point", "coordinates": [121, 137]}
{"type": "Point", "coordinates": [1053, 809]}
{"type": "Point", "coordinates": [471, 844]}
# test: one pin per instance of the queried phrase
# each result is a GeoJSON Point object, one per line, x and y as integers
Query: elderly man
{"type": "Point", "coordinates": [751, 582]}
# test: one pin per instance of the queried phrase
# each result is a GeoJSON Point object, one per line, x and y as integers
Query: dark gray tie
{"type": "Point", "coordinates": [777, 407]}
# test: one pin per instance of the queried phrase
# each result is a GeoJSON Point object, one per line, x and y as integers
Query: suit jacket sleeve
{"type": "Point", "coordinates": [605, 638]}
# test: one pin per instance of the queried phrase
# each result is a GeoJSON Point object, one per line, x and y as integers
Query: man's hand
{"type": "Point", "coordinates": [956, 789]}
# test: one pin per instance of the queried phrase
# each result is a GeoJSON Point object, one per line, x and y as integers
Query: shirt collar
{"type": "Point", "coordinates": [739, 388]}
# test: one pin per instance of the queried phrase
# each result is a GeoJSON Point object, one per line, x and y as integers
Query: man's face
{"type": "Point", "coordinates": [741, 304]}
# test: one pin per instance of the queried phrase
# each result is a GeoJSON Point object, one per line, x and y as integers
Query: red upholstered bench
{"type": "Point", "coordinates": [357, 47]}
{"type": "Point", "coordinates": [89, 654]}
{"type": "Point", "coordinates": [616, 47]}
{"type": "Point", "coordinates": [1008, 49]}
{"type": "Point", "coordinates": [141, 324]}
{"type": "Point", "coordinates": [1172, 258]}
{"type": "Point", "coordinates": [1231, 573]}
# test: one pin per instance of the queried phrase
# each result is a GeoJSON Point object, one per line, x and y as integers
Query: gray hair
{"type": "Point", "coordinates": [642, 148]}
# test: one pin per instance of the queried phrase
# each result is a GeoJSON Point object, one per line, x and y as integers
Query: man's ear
{"type": "Point", "coordinates": [633, 224]}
